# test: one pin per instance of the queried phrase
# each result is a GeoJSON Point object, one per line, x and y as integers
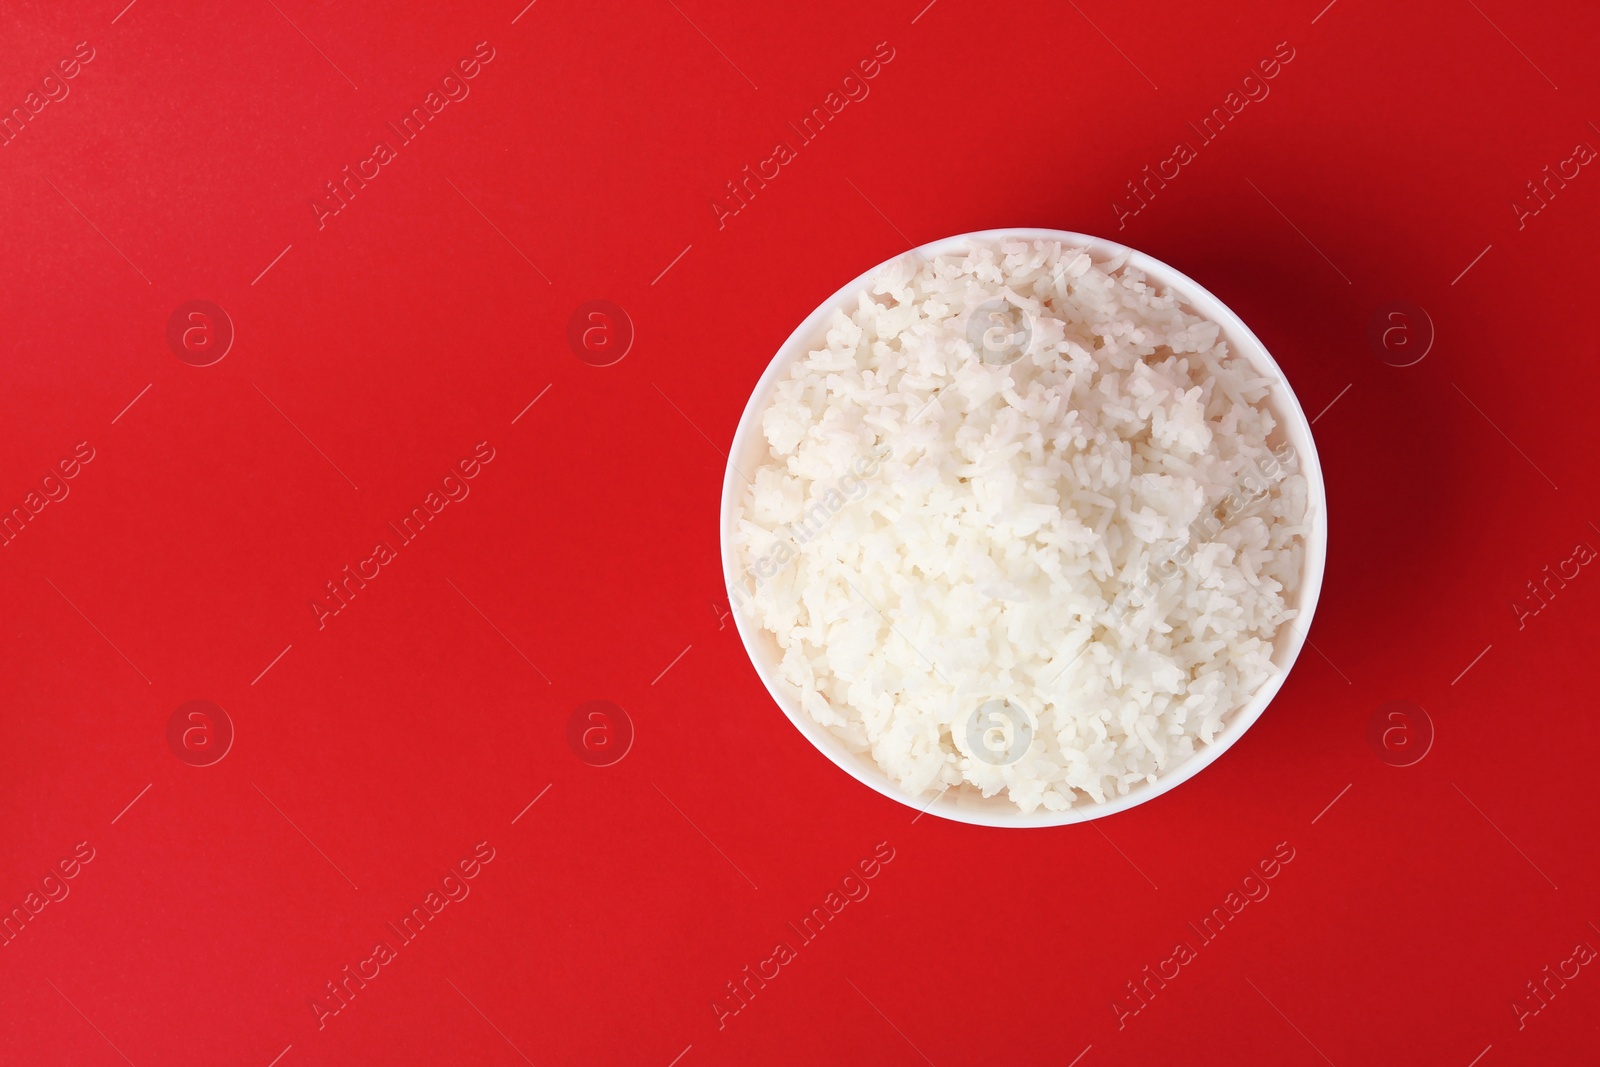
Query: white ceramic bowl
{"type": "Point", "coordinates": [966, 804]}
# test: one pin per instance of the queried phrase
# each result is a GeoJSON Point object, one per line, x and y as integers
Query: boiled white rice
{"type": "Point", "coordinates": [1040, 548]}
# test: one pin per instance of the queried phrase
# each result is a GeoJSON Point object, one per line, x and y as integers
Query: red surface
{"type": "Point", "coordinates": [413, 325]}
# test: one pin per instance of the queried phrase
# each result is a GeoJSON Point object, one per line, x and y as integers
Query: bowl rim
{"type": "Point", "coordinates": [1284, 404]}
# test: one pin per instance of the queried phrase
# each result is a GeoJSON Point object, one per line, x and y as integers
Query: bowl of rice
{"type": "Point", "coordinates": [1023, 528]}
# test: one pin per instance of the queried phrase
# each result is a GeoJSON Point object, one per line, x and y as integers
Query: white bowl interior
{"type": "Point", "coordinates": [750, 450]}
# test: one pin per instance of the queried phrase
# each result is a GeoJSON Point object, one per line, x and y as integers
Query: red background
{"type": "Point", "coordinates": [414, 725]}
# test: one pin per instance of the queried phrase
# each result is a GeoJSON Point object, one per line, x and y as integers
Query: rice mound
{"type": "Point", "coordinates": [1099, 535]}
